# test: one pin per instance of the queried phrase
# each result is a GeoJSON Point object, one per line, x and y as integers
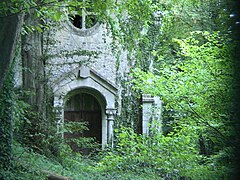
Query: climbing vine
{"type": "Point", "coordinates": [7, 101]}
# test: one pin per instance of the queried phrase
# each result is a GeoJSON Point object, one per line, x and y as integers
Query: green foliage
{"type": "Point", "coordinates": [150, 44]}
{"type": "Point", "coordinates": [30, 165]}
{"type": "Point", "coordinates": [203, 76]}
{"type": "Point", "coordinates": [83, 143]}
{"type": "Point", "coordinates": [130, 115]}
{"type": "Point", "coordinates": [152, 34]}
{"type": "Point", "coordinates": [192, 88]}
{"type": "Point", "coordinates": [173, 156]}
{"type": "Point", "coordinates": [7, 99]}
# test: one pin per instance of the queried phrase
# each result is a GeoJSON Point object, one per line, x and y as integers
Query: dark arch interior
{"type": "Point", "coordinates": [76, 20]}
{"type": "Point", "coordinates": [83, 107]}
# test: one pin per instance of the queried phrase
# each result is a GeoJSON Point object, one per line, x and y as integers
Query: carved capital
{"type": "Point", "coordinates": [111, 112]}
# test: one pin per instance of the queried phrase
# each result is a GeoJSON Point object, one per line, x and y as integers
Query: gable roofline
{"type": "Point", "coordinates": [81, 74]}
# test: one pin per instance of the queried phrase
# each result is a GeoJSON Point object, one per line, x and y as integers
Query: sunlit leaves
{"type": "Point", "coordinates": [198, 84]}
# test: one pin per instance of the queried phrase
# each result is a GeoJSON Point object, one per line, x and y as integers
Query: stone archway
{"type": "Point", "coordinates": [91, 83]}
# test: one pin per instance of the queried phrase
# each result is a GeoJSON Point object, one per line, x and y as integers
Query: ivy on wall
{"type": "Point", "coordinates": [7, 99]}
{"type": "Point", "coordinates": [130, 106]}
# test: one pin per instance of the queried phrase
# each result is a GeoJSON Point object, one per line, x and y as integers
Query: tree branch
{"type": "Point", "coordinates": [32, 7]}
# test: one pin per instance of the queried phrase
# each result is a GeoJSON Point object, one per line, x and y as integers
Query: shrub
{"type": "Point", "coordinates": [172, 156]}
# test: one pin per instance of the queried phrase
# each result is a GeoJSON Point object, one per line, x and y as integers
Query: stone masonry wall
{"type": "Point", "coordinates": [70, 50]}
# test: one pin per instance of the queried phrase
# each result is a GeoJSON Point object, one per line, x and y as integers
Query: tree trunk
{"type": "Point", "coordinates": [34, 76]}
{"type": "Point", "coordinates": [10, 28]}
{"type": "Point", "coordinates": [33, 68]}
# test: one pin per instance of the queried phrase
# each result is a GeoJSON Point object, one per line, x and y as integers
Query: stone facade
{"type": "Point", "coordinates": [82, 61]}
{"type": "Point", "coordinates": [72, 49]}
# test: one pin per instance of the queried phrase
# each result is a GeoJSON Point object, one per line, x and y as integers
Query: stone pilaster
{"type": "Point", "coordinates": [59, 112]}
{"type": "Point", "coordinates": [110, 112]}
{"type": "Point", "coordinates": [147, 112]}
{"type": "Point", "coordinates": [151, 113]}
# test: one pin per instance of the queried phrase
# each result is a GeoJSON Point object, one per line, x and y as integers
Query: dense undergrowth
{"type": "Point", "coordinates": [33, 166]}
{"type": "Point", "coordinates": [134, 157]}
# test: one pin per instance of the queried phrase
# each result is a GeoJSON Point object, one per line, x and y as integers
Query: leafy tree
{"type": "Point", "coordinates": [193, 89]}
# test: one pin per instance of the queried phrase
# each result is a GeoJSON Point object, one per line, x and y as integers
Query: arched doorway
{"type": "Point", "coordinates": [84, 107]}
{"type": "Point", "coordinates": [89, 83]}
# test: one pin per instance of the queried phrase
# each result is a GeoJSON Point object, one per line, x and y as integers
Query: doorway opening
{"type": "Point", "coordinates": [85, 108]}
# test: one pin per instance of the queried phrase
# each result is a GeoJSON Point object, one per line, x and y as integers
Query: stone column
{"type": "Point", "coordinates": [59, 112]}
{"type": "Point", "coordinates": [157, 114]}
{"type": "Point", "coordinates": [147, 112]}
{"type": "Point", "coordinates": [151, 113]}
{"type": "Point", "coordinates": [110, 112]}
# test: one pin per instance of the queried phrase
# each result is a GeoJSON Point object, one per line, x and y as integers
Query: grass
{"type": "Point", "coordinates": [28, 165]}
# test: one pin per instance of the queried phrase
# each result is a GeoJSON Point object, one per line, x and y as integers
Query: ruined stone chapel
{"type": "Point", "coordinates": [82, 70]}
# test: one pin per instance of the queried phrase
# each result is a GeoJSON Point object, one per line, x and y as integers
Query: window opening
{"type": "Point", "coordinates": [85, 20]}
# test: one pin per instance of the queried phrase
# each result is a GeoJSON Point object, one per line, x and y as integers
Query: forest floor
{"type": "Point", "coordinates": [29, 165]}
